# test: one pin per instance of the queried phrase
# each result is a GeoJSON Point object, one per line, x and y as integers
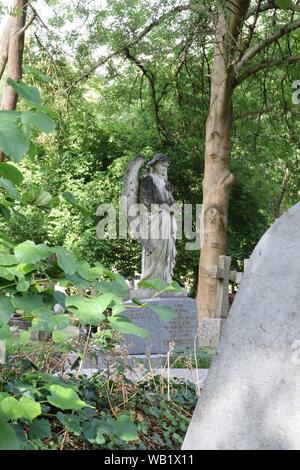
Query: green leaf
{"type": "Point", "coordinates": [48, 321]}
{"type": "Point", "coordinates": [6, 310]}
{"type": "Point", "coordinates": [88, 272]}
{"type": "Point", "coordinates": [28, 303]}
{"type": "Point", "coordinates": [284, 3]}
{"type": "Point", "coordinates": [65, 398]}
{"type": "Point", "coordinates": [13, 141]}
{"type": "Point", "coordinates": [9, 188]}
{"type": "Point", "coordinates": [29, 252]}
{"type": "Point", "coordinates": [7, 259]}
{"type": "Point", "coordinates": [30, 409]}
{"type": "Point", "coordinates": [28, 93]}
{"type": "Point", "coordinates": [164, 313]}
{"type": "Point", "coordinates": [8, 437]}
{"type": "Point", "coordinates": [5, 332]}
{"type": "Point", "coordinates": [89, 311]}
{"type": "Point", "coordinates": [71, 199]}
{"type": "Point", "coordinates": [43, 199]}
{"type": "Point", "coordinates": [40, 429]}
{"type": "Point", "coordinates": [77, 281]}
{"type": "Point", "coordinates": [70, 422]}
{"type": "Point", "coordinates": [38, 119]}
{"type": "Point", "coordinates": [157, 284]}
{"type": "Point", "coordinates": [6, 273]}
{"type": "Point", "coordinates": [22, 285]}
{"type": "Point", "coordinates": [11, 173]}
{"type": "Point", "coordinates": [125, 326]}
{"type": "Point", "coordinates": [66, 261]}
{"type": "Point", "coordinates": [10, 408]}
{"type": "Point", "coordinates": [126, 430]}
{"type": "Point", "coordinates": [137, 301]}
{"type": "Point", "coordinates": [37, 74]}
{"type": "Point", "coordinates": [93, 431]}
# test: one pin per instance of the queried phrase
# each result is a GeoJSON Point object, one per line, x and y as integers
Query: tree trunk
{"type": "Point", "coordinates": [218, 179]}
{"type": "Point", "coordinates": [4, 42]}
{"type": "Point", "coordinates": [15, 55]}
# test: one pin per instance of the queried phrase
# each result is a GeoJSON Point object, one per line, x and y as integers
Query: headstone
{"type": "Point", "coordinates": [250, 399]}
{"type": "Point", "coordinates": [182, 330]}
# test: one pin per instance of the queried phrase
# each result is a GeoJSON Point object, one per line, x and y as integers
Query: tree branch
{"type": "Point", "coordinates": [271, 5]}
{"type": "Point", "coordinates": [151, 79]}
{"type": "Point", "coordinates": [265, 65]}
{"type": "Point", "coordinates": [252, 113]}
{"type": "Point", "coordinates": [130, 43]}
{"type": "Point", "coordinates": [250, 53]}
{"type": "Point", "coordinates": [26, 26]}
{"type": "Point", "coordinates": [237, 18]}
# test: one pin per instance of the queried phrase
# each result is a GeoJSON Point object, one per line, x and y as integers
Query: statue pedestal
{"type": "Point", "coordinates": [181, 331]}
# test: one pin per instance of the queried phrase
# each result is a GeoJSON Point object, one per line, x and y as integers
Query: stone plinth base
{"type": "Point", "coordinates": [210, 330]}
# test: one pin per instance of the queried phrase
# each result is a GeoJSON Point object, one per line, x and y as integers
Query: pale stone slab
{"type": "Point", "coordinates": [251, 396]}
{"type": "Point", "coordinates": [195, 376]}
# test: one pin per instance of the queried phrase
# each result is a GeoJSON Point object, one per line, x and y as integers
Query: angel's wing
{"type": "Point", "coordinates": [131, 185]}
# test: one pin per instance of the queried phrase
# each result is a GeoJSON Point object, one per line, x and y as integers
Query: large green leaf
{"type": "Point", "coordinates": [13, 141]}
{"type": "Point", "coordinates": [125, 326]}
{"type": "Point", "coordinates": [11, 408]}
{"type": "Point", "coordinates": [48, 321]}
{"type": "Point", "coordinates": [126, 430]}
{"type": "Point", "coordinates": [284, 3]}
{"type": "Point", "coordinates": [28, 303]}
{"type": "Point", "coordinates": [89, 311]}
{"type": "Point", "coordinates": [157, 284]}
{"type": "Point", "coordinates": [40, 429]}
{"type": "Point", "coordinates": [66, 261]}
{"type": "Point", "coordinates": [11, 173]}
{"type": "Point", "coordinates": [65, 398]}
{"type": "Point", "coordinates": [8, 437]}
{"type": "Point", "coordinates": [37, 74]}
{"type": "Point", "coordinates": [93, 431]}
{"type": "Point", "coordinates": [29, 93]}
{"type": "Point", "coordinates": [70, 422]}
{"type": "Point", "coordinates": [6, 273]}
{"type": "Point", "coordinates": [5, 334]}
{"type": "Point", "coordinates": [38, 119]}
{"type": "Point", "coordinates": [8, 186]}
{"type": "Point", "coordinates": [6, 309]}
{"type": "Point", "coordinates": [7, 260]}
{"type": "Point", "coordinates": [88, 272]}
{"type": "Point", "coordinates": [29, 252]}
{"type": "Point", "coordinates": [30, 409]}
{"type": "Point", "coordinates": [164, 313]}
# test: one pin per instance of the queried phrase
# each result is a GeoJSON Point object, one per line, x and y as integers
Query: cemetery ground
{"type": "Point", "coordinates": [118, 407]}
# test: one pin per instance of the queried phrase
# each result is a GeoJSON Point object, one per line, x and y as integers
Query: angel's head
{"type": "Point", "coordinates": [159, 165]}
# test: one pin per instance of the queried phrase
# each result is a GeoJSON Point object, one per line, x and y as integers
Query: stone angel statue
{"type": "Point", "coordinates": [151, 211]}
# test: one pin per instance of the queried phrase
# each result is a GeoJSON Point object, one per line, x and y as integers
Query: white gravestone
{"type": "Point", "coordinates": [251, 396]}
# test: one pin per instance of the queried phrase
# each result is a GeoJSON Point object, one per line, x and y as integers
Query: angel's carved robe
{"type": "Point", "coordinates": [158, 228]}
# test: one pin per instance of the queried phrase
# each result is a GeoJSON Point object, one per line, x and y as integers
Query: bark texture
{"type": "Point", "coordinates": [218, 179]}
{"type": "Point", "coordinates": [4, 42]}
{"type": "Point", "coordinates": [15, 55]}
